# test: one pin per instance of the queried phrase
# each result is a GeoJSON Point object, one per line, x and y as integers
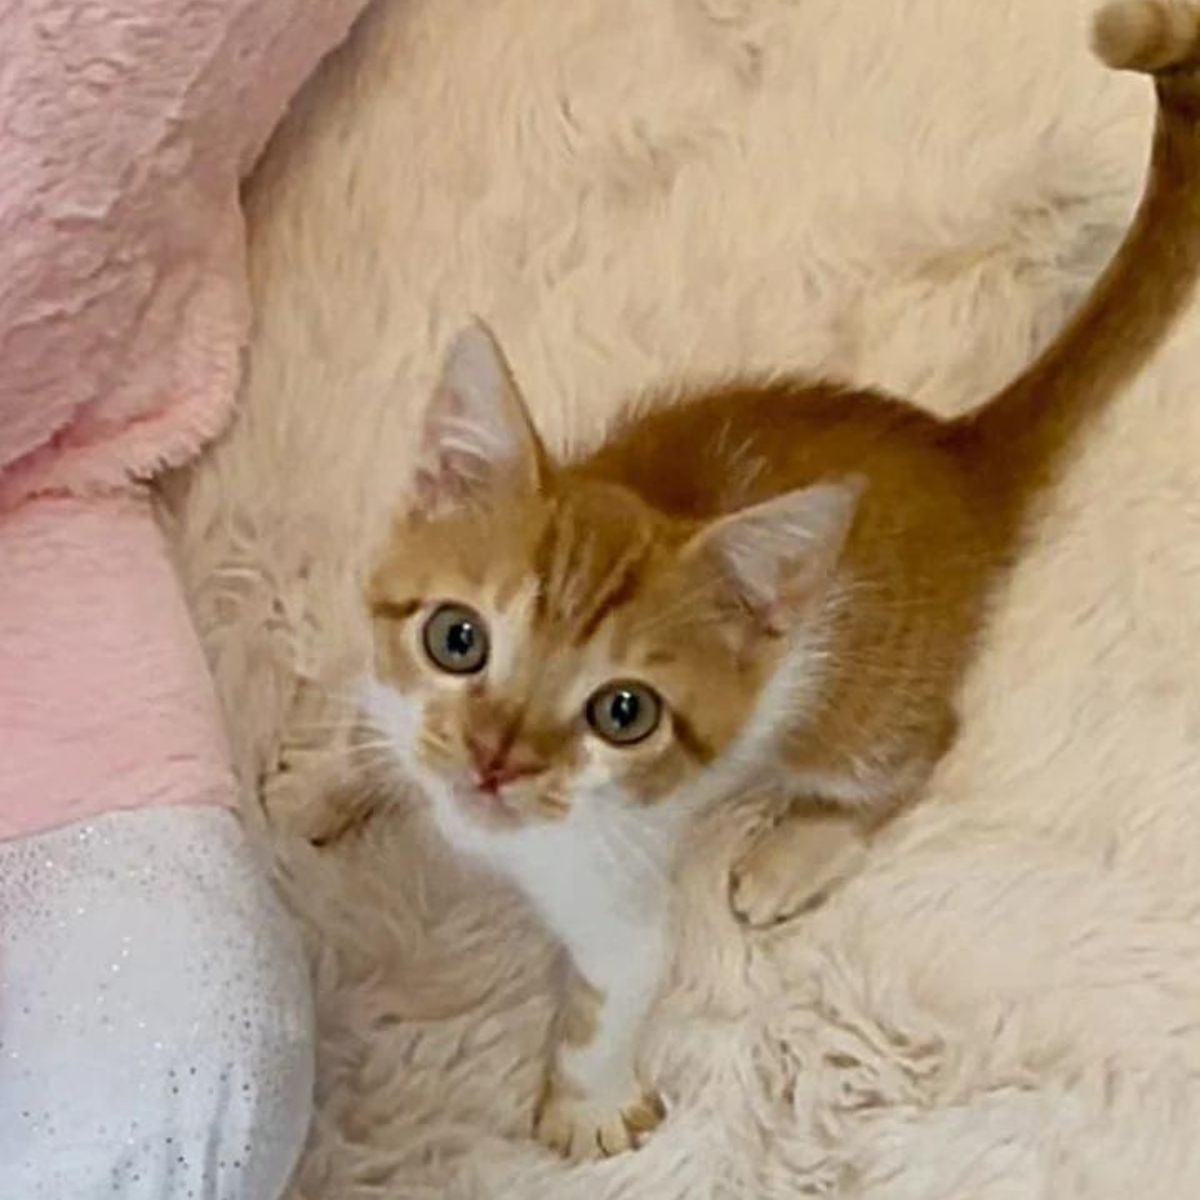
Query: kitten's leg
{"type": "Point", "coordinates": [795, 864]}
{"type": "Point", "coordinates": [594, 1103]}
{"type": "Point", "coordinates": [819, 843]}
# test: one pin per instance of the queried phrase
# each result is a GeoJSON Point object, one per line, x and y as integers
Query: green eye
{"type": "Point", "coordinates": [624, 713]}
{"type": "Point", "coordinates": [456, 639]}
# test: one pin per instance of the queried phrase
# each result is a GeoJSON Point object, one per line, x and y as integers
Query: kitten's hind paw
{"type": "Point", "coordinates": [580, 1129]}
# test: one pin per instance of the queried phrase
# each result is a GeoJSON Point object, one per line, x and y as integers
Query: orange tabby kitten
{"type": "Point", "coordinates": [772, 582]}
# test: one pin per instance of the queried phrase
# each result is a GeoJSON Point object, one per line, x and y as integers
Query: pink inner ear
{"type": "Point", "coordinates": [454, 461]}
{"type": "Point", "coordinates": [442, 472]}
{"type": "Point", "coordinates": [780, 554]}
{"type": "Point", "coordinates": [477, 432]}
{"type": "Point", "coordinates": [438, 484]}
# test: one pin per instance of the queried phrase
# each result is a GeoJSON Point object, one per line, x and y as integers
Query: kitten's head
{"type": "Point", "coordinates": [548, 644]}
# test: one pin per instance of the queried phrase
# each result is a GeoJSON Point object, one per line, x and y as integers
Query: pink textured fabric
{"type": "Point", "coordinates": [104, 696]}
{"type": "Point", "coordinates": [125, 127]}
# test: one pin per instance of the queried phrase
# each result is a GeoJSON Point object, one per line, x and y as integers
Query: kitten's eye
{"type": "Point", "coordinates": [456, 639]}
{"type": "Point", "coordinates": [624, 713]}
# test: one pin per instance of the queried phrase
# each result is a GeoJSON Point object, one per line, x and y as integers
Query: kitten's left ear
{"type": "Point", "coordinates": [777, 555]}
{"type": "Point", "coordinates": [477, 436]}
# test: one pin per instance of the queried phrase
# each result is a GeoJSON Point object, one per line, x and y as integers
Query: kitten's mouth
{"type": "Point", "coordinates": [487, 808]}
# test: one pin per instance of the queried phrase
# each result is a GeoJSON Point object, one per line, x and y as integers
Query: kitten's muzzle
{"type": "Point", "coordinates": [495, 765]}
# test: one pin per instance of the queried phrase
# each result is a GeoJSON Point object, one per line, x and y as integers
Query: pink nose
{"type": "Point", "coordinates": [494, 768]}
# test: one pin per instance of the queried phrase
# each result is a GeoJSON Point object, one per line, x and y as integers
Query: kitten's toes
{"type": "Point", "coordinates": [793, 867]}
{"type": "Point", "coordinates": [580, 1129]}
{"type": "Point", "coordinates": [762, 896]}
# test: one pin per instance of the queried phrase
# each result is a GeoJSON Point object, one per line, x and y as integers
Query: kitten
{"type": "Point", "coordinates": [776, 583]}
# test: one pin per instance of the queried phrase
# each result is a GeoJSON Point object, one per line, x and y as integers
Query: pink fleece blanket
{"type": "Point", "coordinates": [125, 127]}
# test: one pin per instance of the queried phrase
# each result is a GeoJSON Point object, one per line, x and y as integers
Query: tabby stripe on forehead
{"type": "Point", "coordinates": [618, 588]}
{"type": "Point", "coordinates": [543, 559]}
{"type": "Point", "coordinates": [394, 610]}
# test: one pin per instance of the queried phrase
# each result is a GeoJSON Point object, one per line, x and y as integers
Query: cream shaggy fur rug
{"type": "Point", "coordinates": [911, 193]}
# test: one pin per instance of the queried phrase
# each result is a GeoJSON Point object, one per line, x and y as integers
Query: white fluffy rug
{"type": "Point", "coordinates": [902, 192]}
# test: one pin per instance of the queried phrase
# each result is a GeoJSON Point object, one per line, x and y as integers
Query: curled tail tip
{"type": "Point", "coordinates": [1148, 35]}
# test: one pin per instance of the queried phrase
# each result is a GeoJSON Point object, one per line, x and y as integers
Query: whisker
{"type": "Point", "coordinates": [628, 851]}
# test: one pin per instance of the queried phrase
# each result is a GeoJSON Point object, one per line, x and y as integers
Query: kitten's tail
{"type": "Point", "coordinates": [1022, 433]}
{"type": "Point", "coordinates": [1146, 35]}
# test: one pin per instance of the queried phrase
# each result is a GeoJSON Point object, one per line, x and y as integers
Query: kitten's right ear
{"type": "Point", "coordinates": [477, 437]}
{"type": "Point", "coordinates": [778, 554]}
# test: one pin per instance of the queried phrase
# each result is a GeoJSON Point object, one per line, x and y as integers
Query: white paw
{"type": "Point", "coordinates": [581, 1129]}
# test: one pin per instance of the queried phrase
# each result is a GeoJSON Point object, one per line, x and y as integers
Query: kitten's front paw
{"type": "Point", "coordinates": [793, 867]}
{"type": "Point", "coordinates": [580, 1129]}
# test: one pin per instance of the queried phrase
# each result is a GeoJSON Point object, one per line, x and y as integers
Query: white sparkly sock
{"type": "Point", "coordinates": [155, 1018]}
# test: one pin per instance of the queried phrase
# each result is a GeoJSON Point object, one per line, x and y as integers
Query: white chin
{"type": "Point", "coordinates": [466, 822]}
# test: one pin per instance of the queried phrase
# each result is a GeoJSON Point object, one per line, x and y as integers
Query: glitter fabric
{"type": "Point", "coordinates": [155, 1020]}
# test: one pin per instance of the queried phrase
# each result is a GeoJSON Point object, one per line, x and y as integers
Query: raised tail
{"type": "Point", "coordinates": [1021, 434]}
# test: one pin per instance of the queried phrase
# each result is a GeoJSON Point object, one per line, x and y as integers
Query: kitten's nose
{"type": "Point", "coordinates": [494, 764]}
